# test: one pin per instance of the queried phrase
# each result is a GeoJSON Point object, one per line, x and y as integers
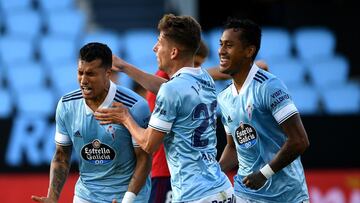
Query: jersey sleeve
{"type": "Point", "coordinates": [277, 99]}
{"type": "Point", "coordinates": [226, 127]}
{"type": "Point", "coordinates": [61, 134]}
{"type": "Point", "coordinates": [141, 114]}
{"type": "Point", "coordinates": [166, 108]}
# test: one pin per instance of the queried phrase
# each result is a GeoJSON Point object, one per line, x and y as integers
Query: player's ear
{"type": "Point", "coordinates": [108, 72]}
{"type": "Point", "coordinates": [250, 51]}
{"type": "Point", "coordinates": [174, 52]}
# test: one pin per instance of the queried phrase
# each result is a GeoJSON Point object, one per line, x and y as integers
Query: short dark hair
{"type": "Point", "coordinates": [96, 50]}
{"type": "Point", "coordinates": [250, 32]}
{"type": "Point", "coordinates": [183, 30]}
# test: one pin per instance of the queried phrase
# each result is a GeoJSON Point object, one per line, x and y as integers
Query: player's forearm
{"type": "Point", "coordinates": [141, 135]}
{"type": "Point", "coordinates": [59, 171]}
{"type": "Point", "coordinates": [295, 145]}
{"type": "Point", "coordinates": [150, 82]}
{"type": "Point", "coordinates": [287, 154]}
{"type": "Point", "coordinates": [142, 170]}
{"type": "Point", "coordinates": [228, 160]}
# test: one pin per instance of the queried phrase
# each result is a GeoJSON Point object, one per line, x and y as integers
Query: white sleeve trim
{"type": "Point", "coordinates": [62, 139]}
{"type": "Point", "coordinates": [285, 113]}
{"type": "Point", "coordinates": [227, 130]}
{"type": "Point", "coordinates": [160, 125]}
{"type": "Point", "coordinates": [135, 144]}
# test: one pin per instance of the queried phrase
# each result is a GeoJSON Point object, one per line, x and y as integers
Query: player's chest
{"type": "Point", "coordinates": [86, 129]}
{"type": "Point", "coordinates": [241, 109]}
{"type": "Point", "coordinates": [240, 117]}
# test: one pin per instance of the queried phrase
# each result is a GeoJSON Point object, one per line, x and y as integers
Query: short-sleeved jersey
{"type": "Point", "coordinates": [107, 159]}
{"type": "Point", "coordinates": [253, 117]}
{"type": "Point", "coordinates": [186, 109]}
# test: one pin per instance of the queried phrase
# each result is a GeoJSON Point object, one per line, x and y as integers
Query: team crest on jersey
{"type": "Point", "coordinates": [246, 135]}
{"type": "Point", "coordinates": [97, 153]}
{"type": "Point", "coordinates": [249, 110]}
{"type": "Point", "coordinates": [111, 130]}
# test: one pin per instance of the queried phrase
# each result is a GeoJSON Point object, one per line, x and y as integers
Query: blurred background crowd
{"type": "Point", "coordinates": [310, 45]}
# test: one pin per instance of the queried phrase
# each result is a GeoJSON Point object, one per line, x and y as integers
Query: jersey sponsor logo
{"type": "Point", "coordinates": [97, 153]}
{"type": "Point", "coordinates": [278, 97]}
{"type": "Point", "coordinates": [246, 135]}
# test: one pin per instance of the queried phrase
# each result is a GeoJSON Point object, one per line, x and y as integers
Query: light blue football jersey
{"type": "Point", "coordinates": [253, 117]}
{"type": "Point", "coordinates": [107, 160]}
{"type": "Point", "coordinates": [186, 110]}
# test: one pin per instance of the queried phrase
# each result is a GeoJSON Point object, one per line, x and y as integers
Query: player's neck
{"type": "Point", "coordinates": [177, 66]}
{"type": "Point", "coordinates": [95, 103]}
{"type": "Point", "coordinates": [240, 77]}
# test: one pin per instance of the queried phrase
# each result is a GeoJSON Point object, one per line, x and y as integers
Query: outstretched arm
{"type": "Point", "coordinates": [59, 170]}
{"type": "Point", "coordinates": [150, 82]}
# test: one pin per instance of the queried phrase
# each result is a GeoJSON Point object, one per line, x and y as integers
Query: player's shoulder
{"type": "Point", "coordinates": [265, 80]}
{"type": "Point", "coordinates": [227, 90]}
{"type": "Point", "coordinates": [128, 97]}
{"type": "Point", "coordinates": [263, 77]}
{"type": "Point", "coordinates": [186, 79]}
{"type": "Point", "coordinates": [172, 86]}
{"type": "Point", "coordinates": [72, 96]}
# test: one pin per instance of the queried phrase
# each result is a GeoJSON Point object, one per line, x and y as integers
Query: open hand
{"type": "Point", "coordinates": [118, 64]}
{"type": "Point", "coordinates": [116, 114]}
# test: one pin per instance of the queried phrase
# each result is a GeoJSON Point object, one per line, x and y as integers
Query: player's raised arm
{"type": "Point", "coordinates": [150, 82]}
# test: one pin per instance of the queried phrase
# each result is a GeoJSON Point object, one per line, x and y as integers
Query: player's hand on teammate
{"type": "Point", "coordinates": [255, 180]}
{"type": "Point", "coordinates": [117, 114]}
{"type": "Point", "coordinates": [43, 199]}
{"type": "Point", "coordinates": [118, 64]}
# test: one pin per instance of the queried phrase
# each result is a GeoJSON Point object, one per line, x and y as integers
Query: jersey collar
{"type": "Point", "coordinates": [108, 99]}
{"type": "Point", "coordinates": [254, 69]}
{"type": "Point", "coordinates": [190, 70]}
